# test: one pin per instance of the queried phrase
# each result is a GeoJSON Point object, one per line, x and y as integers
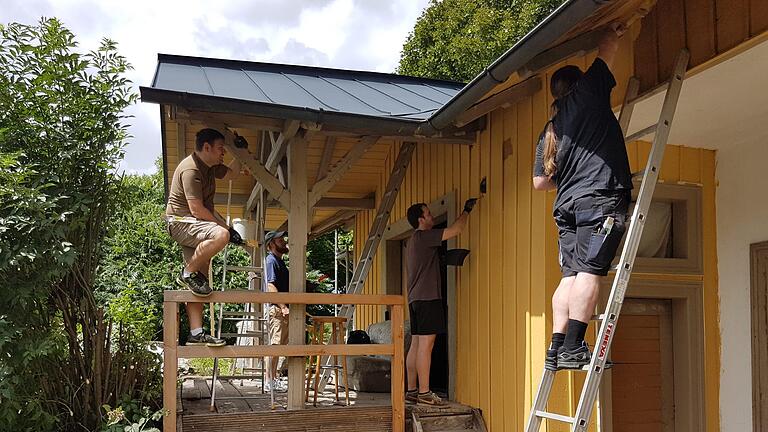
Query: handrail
{"type": "Point", "coordinates": [248, 296]}
{"type": "Point", "coordinates": [172, 352]}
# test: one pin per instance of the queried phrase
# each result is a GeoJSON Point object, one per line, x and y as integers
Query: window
{"type": "Point", "coordinates": [671, 241]}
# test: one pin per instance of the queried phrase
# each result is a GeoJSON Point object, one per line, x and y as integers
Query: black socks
{"type": "Point", "coordinates": [557, 341]}
{"type": "Point", "coordinates": [574, 336]}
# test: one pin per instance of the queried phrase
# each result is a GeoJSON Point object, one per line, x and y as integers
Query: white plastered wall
{"type": "Point", "coordinates": [742, 219]}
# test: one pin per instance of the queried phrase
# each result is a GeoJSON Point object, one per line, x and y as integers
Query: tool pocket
{"type": "Point", "coordinates": [596, 246]}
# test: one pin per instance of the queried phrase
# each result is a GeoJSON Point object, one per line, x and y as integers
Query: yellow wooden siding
{"type": "Point", "coordinates": [504, 289]}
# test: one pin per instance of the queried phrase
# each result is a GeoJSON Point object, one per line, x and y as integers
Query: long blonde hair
{"type": "Point", "coordinates": [561, 84]}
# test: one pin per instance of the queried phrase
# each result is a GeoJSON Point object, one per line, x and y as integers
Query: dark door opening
{"type": "Point", "coordinates": [438, 376]}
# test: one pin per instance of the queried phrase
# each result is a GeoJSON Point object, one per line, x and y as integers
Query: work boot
{"type": "Point", "coordinates": [573, 358]}
{"type": "Point", "coordinates": [205, 340]}
{"type": "Point", "coordinates": [550, 361]}
{"type": "Point", "coordinates": [195, 282]}
{"type": "Point", "coordinates": [429, 398]}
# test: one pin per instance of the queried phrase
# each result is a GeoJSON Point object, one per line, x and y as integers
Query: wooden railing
{"type": "Point", "coordinates": [172, 351]}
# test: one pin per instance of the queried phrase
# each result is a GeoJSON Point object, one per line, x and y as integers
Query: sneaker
{"type": "Point", "coordinates": [429, 398]}
{"type": "Point", "coordinates": [412, 396]}
{"type": "Point", "coordinates": [550, 361]}
{"type": "Point", "coordinates": [573, 358]}
{"type": "Point", "coordinates": [195, 282]}
{"type": "Point", "coordinates": [205, 340]}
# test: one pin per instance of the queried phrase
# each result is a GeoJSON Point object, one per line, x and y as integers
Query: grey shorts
{"type": "Point", "coordinates": [583, 247]}
{"type": "Point", "coordinates": [189, 235]}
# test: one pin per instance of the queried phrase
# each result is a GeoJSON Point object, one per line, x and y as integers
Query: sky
{"type": "Point", "coordinates": [346, 34]}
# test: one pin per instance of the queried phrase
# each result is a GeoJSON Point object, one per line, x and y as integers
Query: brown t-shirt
{"type": "Point", "coordinates": [193, 179]}
{"type": "Point", "coordinates": [423, 265]}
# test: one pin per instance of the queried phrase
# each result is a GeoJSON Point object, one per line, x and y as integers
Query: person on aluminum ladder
{"type": "Point", "coordinates": [425, 304]}
{"type": "Point", "coordinates": [582, 154]}
{"type": "Point", "coordinates": [191, 194]}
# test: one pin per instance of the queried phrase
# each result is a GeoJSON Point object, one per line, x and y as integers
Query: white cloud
{"type": "Point", "coordinates": [347, 34]}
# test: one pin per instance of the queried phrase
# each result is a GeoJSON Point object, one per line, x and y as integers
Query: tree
{"type": "Point", "coordinates": [456, 39]}
{"type": "Point", "coordinates": [62, 134]}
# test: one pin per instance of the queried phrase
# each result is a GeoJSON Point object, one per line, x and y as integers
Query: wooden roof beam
{"type": "Point", "coordinates": [355, 153]}
{"type": "Point", "coordinates": [577, 46]}
{"type": "Point", "coordinates": [260, 173]}
{"type": "Point", "coordinates": [502, 99]}
{"type": "Point", "coordinates": [325, 159]}
{"type": "Point", "coordinates": [332, 222]}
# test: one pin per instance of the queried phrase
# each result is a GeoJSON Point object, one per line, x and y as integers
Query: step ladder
{"type": "Point", "coordinates": [355, 285]}
{"type": "Point", "coordinates": [257, 330]}
{"type": "Point", "coordinates": [609, 319]}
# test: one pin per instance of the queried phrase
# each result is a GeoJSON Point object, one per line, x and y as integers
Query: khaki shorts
{"type": "Point", "coordinates": [189, 235]}
{"type": "Point", "coordinates": [278, 326]}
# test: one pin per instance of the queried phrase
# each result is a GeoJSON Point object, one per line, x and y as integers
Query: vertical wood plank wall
{"type": "Point", "coordinates": [504, 288]}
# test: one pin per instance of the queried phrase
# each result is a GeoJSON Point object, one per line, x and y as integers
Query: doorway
{"type": "Point", "coordinates": [394, 281]}
{"type": "Point", "coordinates": [643, 372]}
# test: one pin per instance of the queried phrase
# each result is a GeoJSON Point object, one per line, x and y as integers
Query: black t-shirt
{"type": "Point", "coordinates": [591, 154]}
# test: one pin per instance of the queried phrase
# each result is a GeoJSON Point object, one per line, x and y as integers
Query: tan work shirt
{"type": "Point", "coordinates": [193, 179]}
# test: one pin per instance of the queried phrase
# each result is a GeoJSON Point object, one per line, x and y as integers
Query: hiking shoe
{"type": "Point", "coordinates": [573, 358]}
{"type": "Point", "coordinates": [205, 340]}
{"type": "Point", "coordinates": [412, 396]}
{"type": "Point", "coordinates": [429, 398]}
{"type": "Point", "coordinates": [550, 361]}
{"type": "Point", "coordinates": [195, 282]}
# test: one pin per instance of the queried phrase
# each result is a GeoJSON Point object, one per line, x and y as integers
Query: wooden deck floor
{"type": "Point", "coordinates": [367, 411]}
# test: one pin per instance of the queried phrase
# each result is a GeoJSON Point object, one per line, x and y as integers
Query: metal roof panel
{"type": "Point", "coordinates": [306, 88]}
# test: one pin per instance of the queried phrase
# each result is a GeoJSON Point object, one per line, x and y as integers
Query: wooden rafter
{"type": "Point", "coordinates": [260, 173]}
{"type": "Point", "coordinates": [325, 159]}
{"type": "Point", "coordinates": [502, 99]}
{"type": "Point", "coordinates": [340, 218]}
{"type": "Point", "coordinates": [278, 149]}
{"type": "Point", "coordinates": [341, 168]}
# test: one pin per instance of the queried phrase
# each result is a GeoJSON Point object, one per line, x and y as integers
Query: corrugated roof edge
{"type": "Point", "coordinates": [537, 40]}
{"type": "Point", "coordinates": [300, 69]}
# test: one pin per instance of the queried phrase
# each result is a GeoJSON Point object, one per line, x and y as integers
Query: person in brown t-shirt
{"type": "Point", "coordinates": [203, 232]}
{"type": "Point", "coordinates": [425, 302]}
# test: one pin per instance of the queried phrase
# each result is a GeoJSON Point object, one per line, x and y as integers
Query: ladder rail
{"type": "Point", "coordinates": [629, 253]}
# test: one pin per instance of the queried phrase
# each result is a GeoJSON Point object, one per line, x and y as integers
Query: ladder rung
{"type": "Point", "coordinates": [553, 416]}
{"type": "Point", "coordinates": [598, 317]}
{"type": "Point", "coordinates": [641, 133]}
{"type": "Point", "coordinates": [243, 268]}
{"type": "Point", "coordinates": [638, 174]}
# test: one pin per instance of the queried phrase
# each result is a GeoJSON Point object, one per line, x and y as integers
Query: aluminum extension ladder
{"type": "Point", "coordinates": [363, 266]}
{"type": "Point", "coordinates": [609, 319]}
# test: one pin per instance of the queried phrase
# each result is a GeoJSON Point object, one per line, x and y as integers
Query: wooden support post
{"type": "Point", "coordinates": [170, 364]}
{"type": "Point", "coordinates": [398, 372]}
{"type": "Point", "coordinates": [297, 243]}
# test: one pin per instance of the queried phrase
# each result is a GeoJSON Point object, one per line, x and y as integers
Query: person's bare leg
{"type": "Point", "coordinates": [195, 315]}
{"type": "Point", "coordinates": [424, 361]}
{"type": "Point", "coordinates": [411, 363]}
{"type": "Point", "coordinates": [206, 250]}
{"type": "Point", "coordinates": [560, 304]}
{"type": "Point", "coordinates": [583, 297]}
{"type": "Point", "coordinates": [272, 367]}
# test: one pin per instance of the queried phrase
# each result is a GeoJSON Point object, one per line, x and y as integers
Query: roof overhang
{"type": "Point", "coordinates": [546, 34]}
